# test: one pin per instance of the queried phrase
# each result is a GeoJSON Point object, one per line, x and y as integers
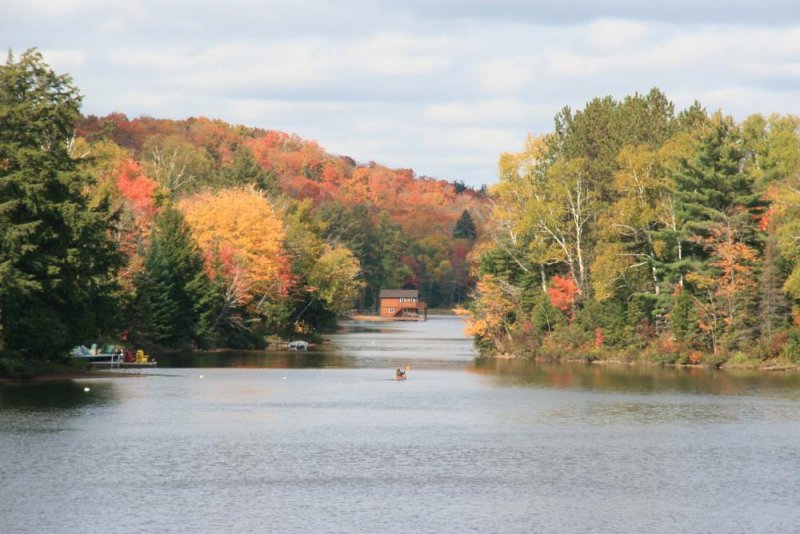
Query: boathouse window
{"type": "Point", "coordinates": [391, 310]}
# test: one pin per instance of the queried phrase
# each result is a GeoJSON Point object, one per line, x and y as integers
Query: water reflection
{"type": "Point", "coordinates": [64, 395]}
{"type": "Point", "coordinates": [522, 447]}
{"type": "Point", "coordinates": [638, 379]}
{"type": "Point", "coordinates": [315, 359]}
{"type": "Point", "coordinates": [438, 343]}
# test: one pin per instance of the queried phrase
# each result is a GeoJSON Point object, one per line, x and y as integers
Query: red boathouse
{"type": "Point", "coordinates": [403, 305]}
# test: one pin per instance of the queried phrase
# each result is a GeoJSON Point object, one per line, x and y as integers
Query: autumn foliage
{"type": "Point", "coordinates": [634, 231]}
{"type": "Point", "coordinates": [199, 233]}
{"type": "Point", "coordinates": [258, 203]}
{"type": "Point", "coordinates": [137, 189]}
{"type": "Point", "coordinates": [563, 292]}
{"type": "Point", "coordinates": [241, 228]}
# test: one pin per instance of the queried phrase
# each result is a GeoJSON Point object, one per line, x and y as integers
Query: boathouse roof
{"type": "Point", "coordinates": [399, 293]}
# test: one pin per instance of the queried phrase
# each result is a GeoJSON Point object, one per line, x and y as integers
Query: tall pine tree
{"type": "Point", "coordinates": [715, 199]}
{"type": "Point", "coordinates": [246, 170]}
{"type": "Point", "coordinates": [57, 264]}
{"type": "Point", "coordinates": [173, 289]}
{"type": "Point", "coordinates": [465, 227]}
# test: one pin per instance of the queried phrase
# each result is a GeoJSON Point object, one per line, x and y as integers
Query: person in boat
{"type": "Point", "coordinates": [400, 373]}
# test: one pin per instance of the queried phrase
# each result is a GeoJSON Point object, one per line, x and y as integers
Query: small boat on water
{"type": "Point", "coordinates": [298, 345]}
{"type": "Point", "coordinates": [399, 375]}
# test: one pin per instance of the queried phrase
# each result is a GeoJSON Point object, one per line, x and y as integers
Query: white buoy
{"type": "Point", "coordinates": [284, 378]}
{"type": "Point", "coordinates": [86, 389]}
{"type": "Point", "coordinates": [201, 376]}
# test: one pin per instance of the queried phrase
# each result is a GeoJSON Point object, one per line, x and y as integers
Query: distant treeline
{"type": "Point", "coordinates": [199, 233]}
{"type": "Point", "coordinates": [632, 231]}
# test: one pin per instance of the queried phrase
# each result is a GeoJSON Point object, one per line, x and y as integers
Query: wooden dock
{"type": "Point", "coordinates": [122, 365]}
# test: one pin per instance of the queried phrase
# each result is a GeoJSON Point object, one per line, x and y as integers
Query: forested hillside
{"type": "Point", "coordinates": [199, 233]}
{"type": "Point", "coordinates": [632, 231]}
{"type": "Point", "coordinates": [397, 228]}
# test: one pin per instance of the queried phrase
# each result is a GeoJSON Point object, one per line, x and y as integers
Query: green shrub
{"type": "Point", "coordinates": [743, 361]}
{"type": "Point", "coordinates": [791, 350]}
{"type": "Point", "coordinates": [15, 367]}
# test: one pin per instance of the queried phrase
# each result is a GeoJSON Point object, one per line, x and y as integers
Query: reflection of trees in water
{"type": "Point", "coordinates": [637, 378]}
{"type": "Point", "coordinates": [55, 396]}
{"type": "Point", "coordinates": [282, 359]}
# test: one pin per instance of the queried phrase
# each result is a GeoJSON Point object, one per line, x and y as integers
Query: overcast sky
{"type": "Point", "coordinates": [441, 86]}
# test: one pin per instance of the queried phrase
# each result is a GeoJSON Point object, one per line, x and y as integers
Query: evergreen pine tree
{"type": "Point", "coordinates": [544, 316]}
{"type": "Point", "coordinates": [683, 318]}
{"type": "Point", "coordinates": [208, 297]}
{"type": "Point", "coordinates": [172, 285]}
{"type": "Point", "coordinates": [712, 190]}
{"type": "Point", "coordinates": [716, 202]}
{"type": "Point", "coordinates": [465, 227]}
{"type": "Point", "coordinates": [246, 170]}
{"type": "Point", "coordinates": [773, 306]}
{"type": "Point", "coordinates": [57, 264]}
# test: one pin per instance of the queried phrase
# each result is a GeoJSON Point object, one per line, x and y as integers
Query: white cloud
{"type": "Point", "coordinates": [768, 69]}
{"type": "Point", "coordinates": [560, 12]}
{"type": "Point", "coordinates": [506, 75]}
{"type": "Point", "coordinates": [492, 111]}
{"type": "Point", "coordinates": [143, 58]}
{"type": "Point", "coordinates": [441, 86]}
{"type": "Point", "coordinates": [615, 35]}
{"type": "Point", "coordinates": [478, 138]}
{"type": "Point", "coordinates": [395, 54]}
{"type": "Point", "coordinates": [112, 26]}
{"type": "Point", "coordinates": [57, 9]}
{"type": "Point", "coordinates": [290, 63]}
{"type": "Point", "coordinates": [65, 59]}
{"type": "Point", "coordinates": [47, 8]}
{"type": "Point", "coordinates": [143, 102]}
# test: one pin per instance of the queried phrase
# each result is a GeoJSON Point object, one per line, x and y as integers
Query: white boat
{"type": "Point", "coordinates": [106, 353]}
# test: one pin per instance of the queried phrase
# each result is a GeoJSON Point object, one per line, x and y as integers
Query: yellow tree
{"type": "Point", "coordinates": [240, 228]}
{"type": "Point", "coordinates": [491, 315]}
{"type": "Point", "coordinates": [626, 229]}
{"type": "Point", "coordinates": [512, 227]}
{"type": "Point", "coordinates": [547, 205]}
{"type": "Point", "coordinates": [334, 278]}
{"type": "Point", "coordinates": [640, 232]}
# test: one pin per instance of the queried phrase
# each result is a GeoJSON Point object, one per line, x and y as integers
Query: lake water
{"type": "Point", "coordinates": [325, 441]}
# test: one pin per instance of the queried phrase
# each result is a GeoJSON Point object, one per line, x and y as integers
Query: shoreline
{"type": "Point", "coordinates": [367, 318]}
{"type": "Point", "coordinates": [378, 319]}
{"type": "Point", "coordinates": [770, 367]}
